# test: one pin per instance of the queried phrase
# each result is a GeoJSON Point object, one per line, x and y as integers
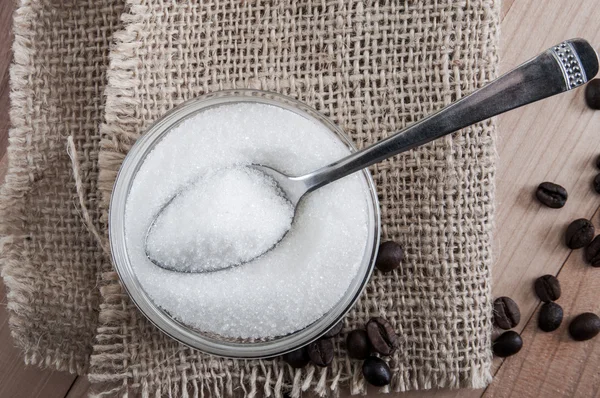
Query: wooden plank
{"type": "Point", "coordinates": [18, 380]}
{"type": "Point", "coordinates": [552, 364]}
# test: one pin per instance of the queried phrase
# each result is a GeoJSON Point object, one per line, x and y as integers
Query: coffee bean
{"type": "Point", "coordinates": [579, 233]}
{"type": "Point", "coordinates": [551, 316]}
{"type": "Point", "coordinates": [547, 288]}
{"type": "Point", "coordinates": [507, 344]}
{"type": "Point", "coordinates": [597, 183]}
{"type": "Point", "coordinates": [334, 331]}
{"type": "Point", "coordinates": [357, 344]}
{"type": "Point", "coordinates": [389, 257]}
{"type": "Point", "coordinates": [376, 372]}
{"type": "Point", "coordinates": [592, 252]}
{"type": "Point", "coordinates": [552, 195]}
{"type": "Point", "coordinates": [592, 94]}
{"type": "Point", "coordinates": [321, 352]}
{"type": "Point", "coordinates": [382, 336]}
{"type": "Point", "coordinates": [585, 326]}
{"type": "Point", "coordinates": [506, 313]}
{"type": "Point", "coordinates": [298, 358]}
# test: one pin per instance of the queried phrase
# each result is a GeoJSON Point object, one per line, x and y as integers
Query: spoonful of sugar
{"type": "Point", "coordinates": [228, 217]}
{"type": "Point", "coordinates": [232, 229]}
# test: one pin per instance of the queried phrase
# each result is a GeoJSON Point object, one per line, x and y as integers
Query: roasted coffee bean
{"type": "Point", "coordinates": [389, 257]}
{"type": "Point", "coordinates": [506, 313]}
{"type": "Point", "coordinates": [585, 326]}
{"type": "Point", "coordinates": [551, 316]}
{"type": "Point", "coordinates": [592, 252]}
{"type": "Point", "coordinates": [579, 233]}
{"type": "Point", "coordinates": [297, 358]}
{"type": "Point", "coordinates": [507, 344]}
{"type": "Point", "coordinates": [357, 344]}
{"type": "Point", "coordinates": [547, 288]}
{"type": "Point", "coordinates": [334, 331]}
{"type": "Point", "coordinates": [592, 94]}
{"type": "Point", "coordinates": [321, 352]}
{"type": "Point", "coordinates": [382, 336]}
{"type": "Point", "coordinates": [552, 195]}
{"type": "Point", "coordinates": [376, 372]}
{"type": "Point", "coordinates": [597, 183]}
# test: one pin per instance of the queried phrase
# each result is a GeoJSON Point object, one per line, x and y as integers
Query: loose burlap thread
{"type": "Point", "coordinates": [373, 67]}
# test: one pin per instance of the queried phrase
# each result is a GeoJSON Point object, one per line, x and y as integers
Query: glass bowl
{"type": "Point", "coordinates": [207, 342]}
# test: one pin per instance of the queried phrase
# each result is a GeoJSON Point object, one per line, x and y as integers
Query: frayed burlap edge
{"type": "Point", "coordinates": [16, 187]}
{"type": "Point", "coordinates": [48, 256]}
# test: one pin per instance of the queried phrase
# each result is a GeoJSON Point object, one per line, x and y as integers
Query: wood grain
{"type": "Point", "coordinates": [554, 140]}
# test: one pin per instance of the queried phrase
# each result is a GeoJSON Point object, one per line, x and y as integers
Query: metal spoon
{"type": "Point", "coordinates": [568, 65]}
{"type": "Point", "coordinates": [563, 67]}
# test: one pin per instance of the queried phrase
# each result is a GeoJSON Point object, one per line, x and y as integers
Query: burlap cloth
{"type": "Point", "coordinates": [371, 66]}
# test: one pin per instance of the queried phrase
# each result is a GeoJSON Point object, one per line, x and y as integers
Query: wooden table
{"type": "Point", "coordinates": [555, 140]}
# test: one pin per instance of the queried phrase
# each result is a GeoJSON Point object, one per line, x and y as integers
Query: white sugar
{"type": "Point", "coordinates": [230, 216]}
{"type": "Point", "coordinates": [289, 287]}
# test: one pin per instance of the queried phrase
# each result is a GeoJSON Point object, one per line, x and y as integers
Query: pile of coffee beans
{"type": "Point", "coordinates": [548, 290]}
{"type": "Point", "coordinates": [377, 339]}
{"type": "Point", "coordinates": [583, 327]}
{"type": "Point", "coordinates": [579, 234]}
{"type": "Point", "coordinates": [506, 316]}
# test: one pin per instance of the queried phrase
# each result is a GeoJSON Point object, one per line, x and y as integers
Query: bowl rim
{"type": "Point", "coordinates": [157, 316]}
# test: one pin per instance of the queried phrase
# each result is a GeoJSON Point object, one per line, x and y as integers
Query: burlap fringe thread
{"type": "Point", "coordinates": [85, 214]}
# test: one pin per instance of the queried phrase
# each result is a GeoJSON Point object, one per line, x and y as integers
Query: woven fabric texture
{"type": "Point", "coordinates": [373, 67]}
{"type": "Point", "coordinates": [49, 259]}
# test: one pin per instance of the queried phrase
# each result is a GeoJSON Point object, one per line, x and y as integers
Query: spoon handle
{"type": "Point", "coordinates": [565, 66]}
